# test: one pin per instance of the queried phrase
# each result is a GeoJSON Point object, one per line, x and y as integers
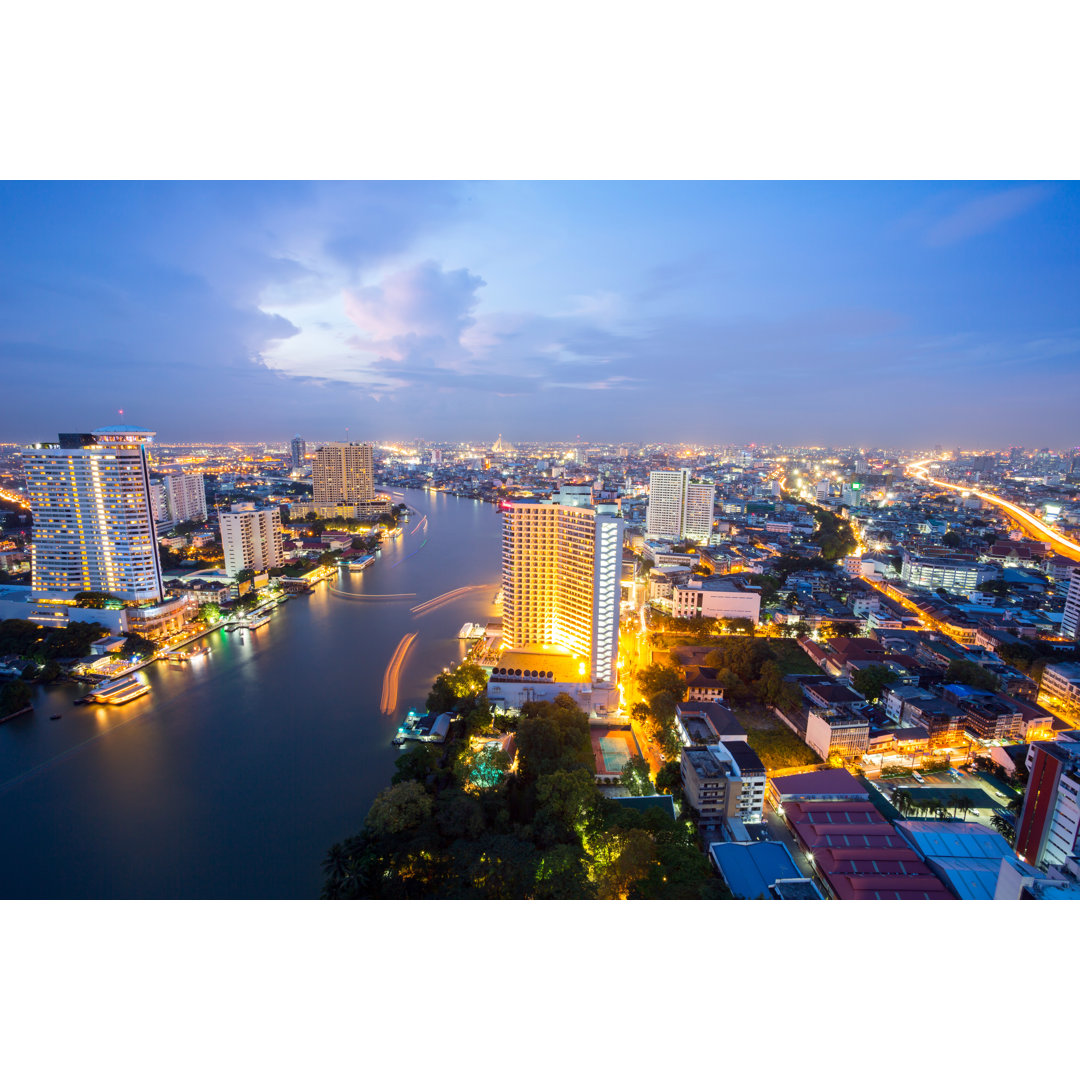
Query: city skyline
{"type": "Point", "coordinates": [794, 312]}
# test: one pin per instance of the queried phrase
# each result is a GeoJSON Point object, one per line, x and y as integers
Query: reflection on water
{"type": "Point", "coordinates": [240, 768]}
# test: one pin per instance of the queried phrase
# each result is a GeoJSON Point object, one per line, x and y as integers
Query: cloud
{"type": "Point", "coordinates": [421, 302]}
{"type": "Point", "coordinates": [983, 214]}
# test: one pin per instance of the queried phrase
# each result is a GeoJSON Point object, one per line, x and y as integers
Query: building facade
{"type": "Point", "coordinates": [297, 452]}
{"type": "Point", "coordinates": [1048, 829]}
{"type": "Point", "coordinates": [185, 497]}
{"type": "Point", "coordinates": [344, 473]}
{"type": "Point", "coordinates": [93, 517]}
{"type": "Point", "coordinates": [680, 508]}
{"type": "Point", "coordinates": [252, 539]}
{"type": "Point", "coordinates": [561, 573]}
{"type": "Point", "coordinates": [715, 600]}
{"type": "Point", "coordinates": [1070, 620]}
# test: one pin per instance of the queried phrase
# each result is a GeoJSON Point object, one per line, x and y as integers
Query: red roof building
{"type": "Point", "coordinates": [859, 855]}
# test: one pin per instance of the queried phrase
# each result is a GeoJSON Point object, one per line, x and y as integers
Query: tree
{"type": "Point", "coordinates": [635, 777]}
{"type": "Point", "coordinates": [137, 645]}
{"type": "Point", "coordinates": [660, 678]}
{"type": "Point", "coordinates": [553, 736]}
{"type": "Point", "coordinates": [952, 539]}
{"type": "Point", "coordinates": [669, 779]}
{"type": "Point", "coordinates": [399, 808]}
{"type": "Point", "coordinates": [209, 613]}
{"type": "Point", "coordinates": [871, 681]}
{"type": "Point", "coordinates": [14, 697]}
{"type": "Point", "coordinates": [971, 674]}
{"type": "Point", "coordinates": [247, 574]}
{"type": "Point", "coordinates": [97, 600]}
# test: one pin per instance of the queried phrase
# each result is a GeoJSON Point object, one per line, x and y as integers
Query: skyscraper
{"type": "Point", "coordinates": [343, 473]}
{"type": "Point", "coordinates": [680, 508]}
{"type": "Point", "coordinates": [93, 520]}
{"type": "Point", "coordinates": [185, 497]}
{"type": "Point", "coordinates": [298, 450]}
{"type": "Point", "coordinates": [561, 573]}
{"type": "Point", "coordinates": [252, 539]}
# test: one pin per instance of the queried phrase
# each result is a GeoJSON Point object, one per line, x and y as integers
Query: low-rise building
{"type": "Point", "coordinates": [723, 782]}
{"type": "Point", "coordinates": [1062, 681]}
{"type": "Point", "coordinates": [716, 598]}
{"type": "Point", "coordinates": [843, 731]}
{"type": "Point", "coordinates": [762, 870]}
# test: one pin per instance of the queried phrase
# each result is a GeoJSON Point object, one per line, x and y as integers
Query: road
{"type": "Point", "coordinates": [1061, 544]}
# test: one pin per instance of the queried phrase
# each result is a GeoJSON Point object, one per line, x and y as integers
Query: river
{"type": "Point", "coordinates": [232, 778]}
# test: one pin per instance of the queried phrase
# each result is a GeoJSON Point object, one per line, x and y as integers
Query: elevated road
{"type": "Point", "coordinates": [1026, 520]}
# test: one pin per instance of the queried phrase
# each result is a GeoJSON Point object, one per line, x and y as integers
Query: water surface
{"type": "Point", "coordinates": [237, 772]}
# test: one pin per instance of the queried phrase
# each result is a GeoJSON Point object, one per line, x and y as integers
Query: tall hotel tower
{"type": "Point", "coordinates": [343, 473]}
{"type": "Point", "coordinates": [561, 574]}
{"type": "Point", "coordinates": [679, 508]}
{"type": "Point", "coordinates": [93, 523]}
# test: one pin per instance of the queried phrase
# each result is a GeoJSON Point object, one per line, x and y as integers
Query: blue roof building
{"type": "Point", "coordinates": [753, 871]}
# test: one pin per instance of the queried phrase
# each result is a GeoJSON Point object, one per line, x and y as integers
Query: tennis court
{"type": "Point", "coordinates": [612, 749]}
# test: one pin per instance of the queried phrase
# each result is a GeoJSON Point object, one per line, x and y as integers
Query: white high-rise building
{"type": "Point", "coordinates": [93, 518]}
{"type": "Point", "coordinates": [252, 539]}
{"type": "Point", "coordinates": [1070, 620]}
{"type": "Point", "coordinates": [185, 496]}
{"type": "Point", "coordinates": [159, 507]}
{"type": "Point", "coordinates": [680, 508]}
{"type": "Point", "coordinates": [562, 572]}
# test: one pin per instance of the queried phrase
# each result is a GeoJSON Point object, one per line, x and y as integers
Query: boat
{"type": "Point", "coordinates": [119, 691]}
{"type": "Point", "coordinates": [359, 564]}
{"type": "Point", "coordinates": [255, 623]}
{"type": "Point", "coordinates": [55, 716]}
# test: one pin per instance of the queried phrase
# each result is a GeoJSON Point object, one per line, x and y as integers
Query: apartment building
{"type": "Point", "coordinates": [252, 539]}
{"type": "Point", "coordinates": [680, 508]}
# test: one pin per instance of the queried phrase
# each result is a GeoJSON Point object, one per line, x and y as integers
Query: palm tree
{"type": "Point", "coordinates": [953, 803]}
{"type": "Point", "coordinates": [965, 805]}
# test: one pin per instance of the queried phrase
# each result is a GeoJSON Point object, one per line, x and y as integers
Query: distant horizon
{"type": "Point", "coordinates": [485, 441]}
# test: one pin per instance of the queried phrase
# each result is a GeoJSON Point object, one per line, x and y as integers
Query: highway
{"type": "Point", "coordinates": [1061, 544]}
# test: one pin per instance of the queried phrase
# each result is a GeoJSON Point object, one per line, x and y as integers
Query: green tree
{"type": "Point", "coordinates": [871, 681]}
{"type": "Point", "coordinates": [971, 674]}
{"type": "Point", "coordinates": [658, 678]}
{"type": "Point", "coordinates": [399, 808]}
{"type": "Point", "coordinates": [14, 696]}
{"type": "Point", "coordinates": [137, 645]}
{"type": "Point", "coordinates": [669, 779]}
{"type": "Point", "coordinates": [635, 777]}
{"type": "Point", "coordinates": [952, 539]}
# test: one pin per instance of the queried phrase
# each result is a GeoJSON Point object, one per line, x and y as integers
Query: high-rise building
{"type": "Point", "coordinates": [185, 497]}
{"type": "Point", "coordinates": [562, 571]}
{"type": "Point", "coordinates": [1070, 620]}
{"type": "Point", "coordinates": [159, 505]}
{"type": "Point", "coordinates": [680, 508]}
{"type": "Point", "coordinates": [343, 473]}
{"type": "Point", "coordinates": [298, 450]}
{"type": "Point", "coordinates": [1048, 829]}
{"type": "Point", "coordinates": [252, 539]}
{"type": "Point", "coordinates": [93, 519]}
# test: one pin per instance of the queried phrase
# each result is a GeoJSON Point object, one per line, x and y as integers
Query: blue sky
{"type": "Point", "coordinates": [873, 313]}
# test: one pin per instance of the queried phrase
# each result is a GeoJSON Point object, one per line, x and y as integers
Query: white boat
{"type": "Point", "coordinates": [119, 691]}
{"type": "Point", "coordinates": [260, 620]}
